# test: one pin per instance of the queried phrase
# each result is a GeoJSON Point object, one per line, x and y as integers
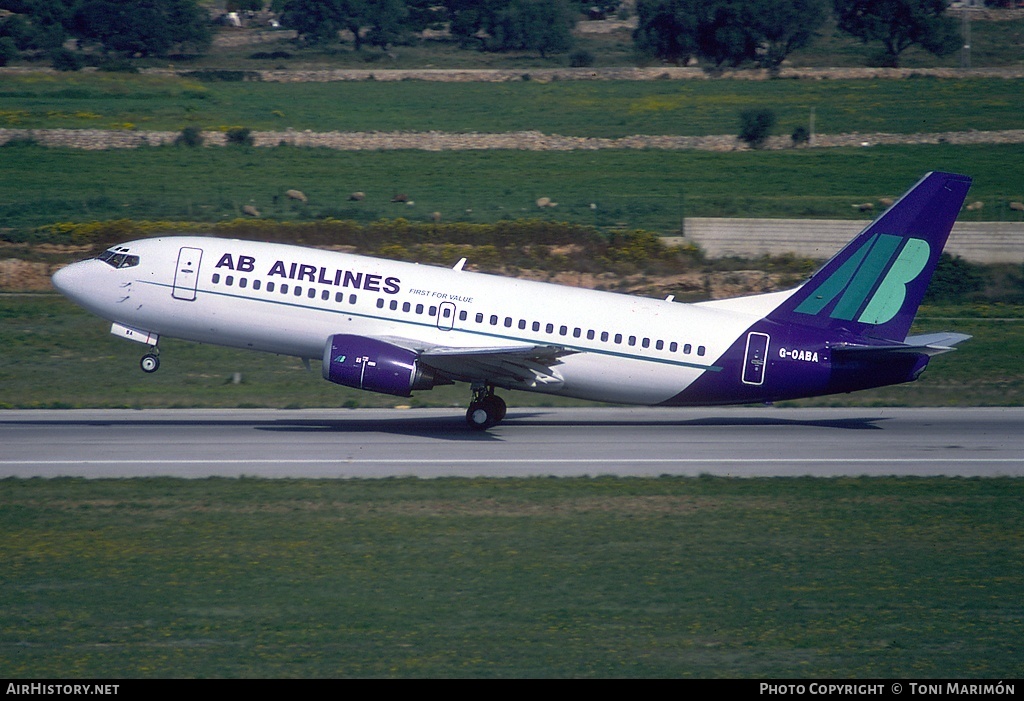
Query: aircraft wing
{"type": "Point", "coordinates": [928, 344]}
{"type": "Point", "coordinates": [532, 365]}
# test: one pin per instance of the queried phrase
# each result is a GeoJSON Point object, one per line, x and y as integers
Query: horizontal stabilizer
{"type": "Point", "coordinates": [927, 344]}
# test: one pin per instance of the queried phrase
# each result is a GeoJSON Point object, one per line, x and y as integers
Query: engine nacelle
{"type": "Point", "coordinates": [366, 363]}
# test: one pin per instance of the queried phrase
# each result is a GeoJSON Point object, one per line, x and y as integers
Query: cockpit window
{"type": "Point", "coordinates": [117, 259]}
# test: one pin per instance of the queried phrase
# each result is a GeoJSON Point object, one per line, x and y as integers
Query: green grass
{"type": "Point", "coordinates": [644, 189]}
{"type": "Point", "coordinates": [56, 355]}
{"type": "Point", "coordinates": [574, 108]}
{"type": "Point", "coordinates": [708, 577]}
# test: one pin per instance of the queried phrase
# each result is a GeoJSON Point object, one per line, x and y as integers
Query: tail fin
{"type": "Point", "coordinates": [874, 286]}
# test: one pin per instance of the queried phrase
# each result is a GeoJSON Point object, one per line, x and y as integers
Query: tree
{"type": "Point", "coordinates": [544, 26]}
{"type": "Point", "coordinates": [898, 25]}
{"type": "Point", "coordinates": [37, 25]}
{"type": "Point", "coordinates": [319, 21]}
{"type": "Point", "coordinates": [785, 27]}
{"type": "Point", "coordinates": [666, 29]}
{"type": "Point", "coordinates": [142, 27]}
{"type": "Point", "coordinates": [387, 20]}
{"type": "Point", "coordinates": [726, 32]}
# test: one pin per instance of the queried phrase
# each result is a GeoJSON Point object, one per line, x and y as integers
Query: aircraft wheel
{"type": "Point", "coordinates": [486, 413]}
{"type": "Point", "coordinates": [149, 363]}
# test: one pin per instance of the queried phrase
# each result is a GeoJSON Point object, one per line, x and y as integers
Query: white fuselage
{"type": "Point", "coordinates": [289, 300]}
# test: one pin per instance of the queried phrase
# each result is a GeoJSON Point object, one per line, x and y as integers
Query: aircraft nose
{"type": "Point", "coordinates": [71, 280]}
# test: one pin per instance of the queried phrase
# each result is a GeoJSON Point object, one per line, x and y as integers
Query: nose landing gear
{"type": "Point", "coordinates": [486, 408]}
{"type": "Point", "coordinates": [150, 362]}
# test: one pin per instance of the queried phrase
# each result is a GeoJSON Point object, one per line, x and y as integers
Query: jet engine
{"type": "Point", "coordinates": [366, 363]}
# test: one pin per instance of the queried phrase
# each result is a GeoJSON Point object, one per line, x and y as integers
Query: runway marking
{"type": "Point", "coordinates": [508, 461]}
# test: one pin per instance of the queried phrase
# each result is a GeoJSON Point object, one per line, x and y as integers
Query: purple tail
{"type": "Point", "coordinates": [873, 287]}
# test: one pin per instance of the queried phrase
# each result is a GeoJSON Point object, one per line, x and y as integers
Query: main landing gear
{"type": "Point", "coordinates": [486, 408]}
{"type": "Point", "coordinates": [150, 362]}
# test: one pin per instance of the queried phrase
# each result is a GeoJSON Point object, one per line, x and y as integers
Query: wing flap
{"type": "Point", "coordinates": [526, 365]}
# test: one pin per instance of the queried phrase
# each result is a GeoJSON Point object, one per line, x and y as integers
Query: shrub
{"type": "Point", "coordinates": [756, 126]}
{"type": "Point", "coordinates": [955, 280]}
{"type": "Point", "coordinates": [66, 60]}
{"type": "Point", "coordinates": [190, 136]}
{"type": "Point", "coordinates": [800, 136]}
{"type": "Point", "coordinates": [117, 65]}
{"type": "Point", "coordinates": [241, 136]}
{"type": "Point", "coordinates": [8, 50]}
{"type": "Point", "coordinates": [581, 59]}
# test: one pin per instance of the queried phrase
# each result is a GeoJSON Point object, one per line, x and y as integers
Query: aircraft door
{"type": "Point", "coordinates": [186, 274]}
{"type": "Point", "coordinates": [446, 316]}
{"type": "Point", "coordinates": [755, 358]}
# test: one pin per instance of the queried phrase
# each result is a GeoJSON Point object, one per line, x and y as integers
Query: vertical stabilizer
{"type": "Point", "coordinates": [874, 286]}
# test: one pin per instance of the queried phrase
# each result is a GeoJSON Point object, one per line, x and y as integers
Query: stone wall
{"type": "Point", "coordinates": [978, 242]}
{"type": "Point", "coordinates": [100, 139]}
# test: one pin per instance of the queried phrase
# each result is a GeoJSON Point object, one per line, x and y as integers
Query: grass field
{"type": "Point", "coordinates": [652, 190]}
{"type": "Point", "coordinates": [572, 108]}
{"type": "Point", "coordinates": [706, 577]}
{"type": "Point", "coordinates": [57, 356]}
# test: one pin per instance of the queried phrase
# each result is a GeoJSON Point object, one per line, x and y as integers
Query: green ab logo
{"type": "Point", "coordinates": [855, 279]}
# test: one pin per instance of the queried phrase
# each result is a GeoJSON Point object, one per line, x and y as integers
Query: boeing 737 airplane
{"type": "Point", "coordinates": [395, 328]}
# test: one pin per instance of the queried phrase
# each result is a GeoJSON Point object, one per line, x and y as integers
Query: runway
{"type": "Point", "coordinates": [370, 443]}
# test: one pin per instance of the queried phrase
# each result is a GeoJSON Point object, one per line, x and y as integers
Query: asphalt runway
{"type": "Point", "coordinates": [344, 443]}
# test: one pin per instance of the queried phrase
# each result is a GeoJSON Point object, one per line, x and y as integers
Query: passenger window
{"type": "Point", "coordinates": [660, 345]}
{"type": "Point", "coordinates": [406, 306]}
{"type": "Point", "coordinates": [351, 299]}
{"type": "Point", "coordinates": [380, 303]}
{"type": "Point", "coordinates": [673, 346]}
{"type": "Point", "coordinates": [536, 326]}
{"type": "Point", "coordinates": [243, 282]}
{"type": "Point", "coordinates": [646, 343]}
{"type": "Point", "coordinates": [590, 334]}
{"type": "Point", "coordinates": [687, 349]}
{"type": "Point", "coordinates": [618, 338]}
{"type": "Point", "coordinates": [298, 291]}
{"type": "Point", "coordinates": [494, 320]}
{"type": "Point", "coordinates": [339, 297]}
{"type": "Point", "coordinates": [462, 316]}
{"type": "Point", "coordinates": [479, 318]}
{"type": "Point", "coordinates": [632, 340]}
{"type": "Point", "coordinates": [256, 284]}
{"type": "Point", "coordinates": [563, 330]}
{"type": "Point", "coordinates": [270, 287]}
{"type": "Point", "coordinates": [700, 350]}
{"type": "Point", "coordinates": [215, 279]}
{"type": "Point", "coordinates": [522, 324]}
{"type": "Point", "coordinates": [508, 322]}
{"type": "Point", "coordinates": [229, 280]}
{"type": "Point", "coordinates": [394, 305]}
{"type": "Point", "coordinates": [550, 328]}
{"type": "Point", "coordinates": [604, 336]}
{"type": "Point", "coordinates": [312, 293]}
{"type": "Point", "coordinates": [432, 311]}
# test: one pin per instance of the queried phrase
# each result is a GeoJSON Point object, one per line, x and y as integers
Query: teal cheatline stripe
{"type": "Point", "coordinates": [830, 288]}
{"type": "Point", "coordinates": [874, 266]}
{"type": "Point", "coordinates": [891, 294]}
